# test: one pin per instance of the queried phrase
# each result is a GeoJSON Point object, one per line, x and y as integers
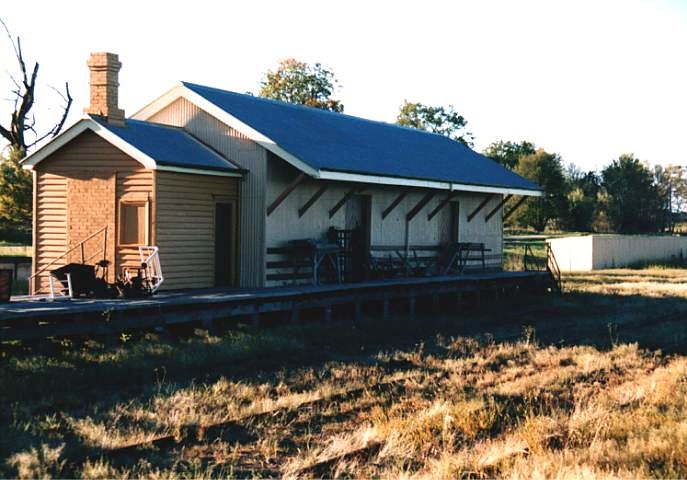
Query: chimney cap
{"type": "Point", "coordinates": [104, 82]}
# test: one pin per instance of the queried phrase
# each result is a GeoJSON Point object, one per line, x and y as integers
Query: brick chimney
{"type": "Point", "coordinates": [104, 69]}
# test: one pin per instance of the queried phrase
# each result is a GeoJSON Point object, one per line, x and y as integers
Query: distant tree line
{"type": "Point", "coordinates": [626, 196]}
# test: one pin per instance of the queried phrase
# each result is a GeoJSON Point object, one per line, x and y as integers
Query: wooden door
{"type": "Point", "coordinates": [225, 245]}
{"type": "Point", "coordinates": [358, 213]}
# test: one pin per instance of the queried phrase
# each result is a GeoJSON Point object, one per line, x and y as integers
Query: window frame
{"type": "Point", "coordinates": [138, 202]}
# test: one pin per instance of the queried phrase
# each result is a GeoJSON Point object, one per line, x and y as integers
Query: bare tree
{"type": "Point", "coordinates": [16, 183]}
{"type": "Point", "coordinates": [23, 120]}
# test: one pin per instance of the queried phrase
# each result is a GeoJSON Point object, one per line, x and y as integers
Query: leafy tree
{"type": "Point", "coordinates": [546, 170]}
{"type": "Point", "coordinates": [297, 82]}
{"type": "Point", "coordinates": [671, 183]}
{"type": "Point", "coordinates": [16, 192]}
{"type": "Point", "coordinates": [582, 199]}
{"type": "Point", "coordinates": [508, 153]}
{"type": "Point", "coordinates": [15, 183]}
{"type": "Point", "coordinates": [442, 120]}
{"type": "Point", "coordinates": [634, 203]}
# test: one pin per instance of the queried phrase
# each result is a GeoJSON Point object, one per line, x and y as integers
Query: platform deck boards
{"type": "Point", "coordinates": [34, 318]}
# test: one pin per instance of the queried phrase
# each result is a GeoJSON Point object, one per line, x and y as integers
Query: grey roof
{"type": "Point", "coordinates": [343, 143]}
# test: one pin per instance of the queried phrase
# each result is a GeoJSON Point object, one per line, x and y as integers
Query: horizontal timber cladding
{"type": "Point", "coordinates": [50, 223]}
{"type": "Point", "coordinates": [249, 155]}
{"type": "Point", "coordinates": [77, 192]}
{"type": "Point", "coordinates": [185, 225]}
{"type": "Point", "coordinates": [285, 224]}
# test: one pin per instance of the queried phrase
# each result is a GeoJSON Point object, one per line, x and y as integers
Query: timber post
{"type": "Point", "coordinates": [357, 311]}
{"type": "Point", "coordinates": [255, 317]}
{"type": "Point", "coordinates": [436, 303]}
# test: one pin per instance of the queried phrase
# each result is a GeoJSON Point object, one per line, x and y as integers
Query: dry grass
{"type": "Point", "coordinates": [566, 395]}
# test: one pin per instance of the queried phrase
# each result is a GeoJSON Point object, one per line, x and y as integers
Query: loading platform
{"type": "Point", "coordinates": [30, 317]}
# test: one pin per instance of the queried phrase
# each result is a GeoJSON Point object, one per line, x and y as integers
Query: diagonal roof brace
{"type": "Point", "coordinates": [420, 205]}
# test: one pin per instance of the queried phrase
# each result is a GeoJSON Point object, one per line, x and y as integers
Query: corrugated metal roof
{"type": "Point", "coordinates": [343, 143]}
{"type": "Point", "coordinates": [170, 146]}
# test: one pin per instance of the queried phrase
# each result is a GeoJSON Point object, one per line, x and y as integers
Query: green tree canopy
{"type": "Point", "coordinates": [582, 192]}
{"type": "Point", "coordinates": [297, 82]}
{"type": "Point", "coordinates": [508, 153]}
{"type": "Point", "coordinates": [546, 170]}
{"type": "Point", "coordinates": [16, 193]}
{"type": "Point", "coordinates": [671, 183]}
{"type": "Point", "coordinates": [441, 120]}
{"type": "Point", "coordinates": [633, 203]}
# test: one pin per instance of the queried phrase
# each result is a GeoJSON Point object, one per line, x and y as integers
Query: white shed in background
{"type": "Point", "coordinates": [595, 252]}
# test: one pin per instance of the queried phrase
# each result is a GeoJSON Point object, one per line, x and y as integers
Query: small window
{"type": "Point", "coordinates": [133, 223]}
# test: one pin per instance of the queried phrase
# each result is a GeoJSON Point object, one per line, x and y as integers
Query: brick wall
{"type": "Point", "coordinates": [92, 204]}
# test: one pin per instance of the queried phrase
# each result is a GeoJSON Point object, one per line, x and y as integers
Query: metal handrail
{"type": "Point", "coordinates": [79, 246]}
{"type": "Point", "coordinates": [552, 266]}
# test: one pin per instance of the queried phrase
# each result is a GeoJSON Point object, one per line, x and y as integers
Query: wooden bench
{"type": "Point", "coordinates": [305, 261]}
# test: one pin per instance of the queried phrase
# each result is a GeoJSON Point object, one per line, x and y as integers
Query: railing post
{"type": "Point", "coordinates": [83, 260]}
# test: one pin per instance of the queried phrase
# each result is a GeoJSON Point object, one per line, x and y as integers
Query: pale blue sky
{"type": "Point", "coordinates": [586, 79]}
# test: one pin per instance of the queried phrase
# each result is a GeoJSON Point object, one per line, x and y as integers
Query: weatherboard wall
{"type": "Point", "coordinates": [77, 191]}
{"type": "Point", "coordinates": [285, 224]}
{"type": "Point", "coordinates": [250, 156]}
{"type": "Point", "coordinates": [185, 224]}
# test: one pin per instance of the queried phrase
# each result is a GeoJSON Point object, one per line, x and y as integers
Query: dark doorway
{"type": "Point", "coordinates": [225, 234]}
{"type": "Point", "coordinates": [358, 213]}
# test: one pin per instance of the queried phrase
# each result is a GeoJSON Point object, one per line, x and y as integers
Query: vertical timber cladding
{"type": "Point", "coordinates": [77, 192]}
{"type": "Point", "coordinates": [185, 225]}
{"type": "Point", "coordinates": [251, 156]}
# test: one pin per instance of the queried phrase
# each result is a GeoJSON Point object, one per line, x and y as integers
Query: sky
{"type": "Point", "coordinates": [589, 80]}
